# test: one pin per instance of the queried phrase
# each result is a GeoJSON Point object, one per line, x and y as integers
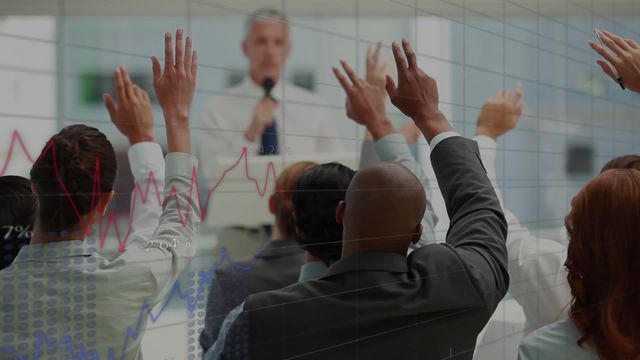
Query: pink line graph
{"type": "Point", "coordinates": [109, 220]}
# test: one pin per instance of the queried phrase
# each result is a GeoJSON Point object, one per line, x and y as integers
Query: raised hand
{"type": "Point", "coordinates": [176, 84]}
{"type": "Point", "coordinates": [175, 87]}
{"type": "Point", "coordinates": [376, 71]}
{"type": "Point", "coordinates": [364, 102]}
{"type": "Point", "coordinates": [416, 94]}
{"type": "Point", "coordinates": [625, 58]}
{"type": "Point", "coordinates": [501, 113]}
{"type": "Point", "coordinates": [132, 114]}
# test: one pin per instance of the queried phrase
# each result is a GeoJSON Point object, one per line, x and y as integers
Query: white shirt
{"type": "Point", "coordinates": [538, 280]}
{"type": "Point", "coordinates": [557, 341]}
{"type": "Point", "coordinates": [305, 123]}
{"type": "Point", "coordinates": [69, 299]}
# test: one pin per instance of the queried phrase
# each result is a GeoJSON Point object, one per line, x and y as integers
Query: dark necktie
{"type": "Point", "coordinates": [270, 140]}
{"type": "Point", "coordinates": [269, 144]}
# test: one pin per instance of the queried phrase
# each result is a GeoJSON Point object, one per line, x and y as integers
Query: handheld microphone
{"type": "Point", "coordinates": [267, 85]}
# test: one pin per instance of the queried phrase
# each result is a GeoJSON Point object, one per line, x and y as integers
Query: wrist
{"type": "Point", "coordinates": [485, 131]}
{"type": "Point", "coordinates": [432, 124]}
{"type": "Point", "coordinates": [380, 128]}
{"type": "Point", "coordinates": [139, 138]}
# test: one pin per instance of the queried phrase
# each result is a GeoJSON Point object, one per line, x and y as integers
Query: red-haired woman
{"type": "Point", "coordinates": [603, 263]}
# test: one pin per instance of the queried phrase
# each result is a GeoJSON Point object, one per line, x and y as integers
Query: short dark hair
{"type": "Point", "coordinates": [317, 194]}
{"type": "Point", "coordinates": [17, 216]}
{"type": "Point", "coordinates": [83, 155]}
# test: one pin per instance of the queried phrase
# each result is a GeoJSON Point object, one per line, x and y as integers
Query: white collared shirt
{"type": "Point", "coordinates": [69, 299]}
{"type": "Point", "coordinates": [305, 123]}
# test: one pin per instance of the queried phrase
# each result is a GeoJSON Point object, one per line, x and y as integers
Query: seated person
{"type": "Point", "coordinates": [375, 302]}
{"type": "Point", "coordinates": [73, 287]}
{"type": "Point", "coordinates": [603, 260]}
{"type": "Point", "coordinates": [317, 194]}
{"type": "Point", "coordinates": [17, 216]}
{"type": "Point", "coordinates": [274, 267]}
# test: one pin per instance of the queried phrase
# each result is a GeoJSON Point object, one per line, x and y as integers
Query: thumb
{"type": "Point", "coordinates": [390, 85]}
{"type": "Point", "coordinates": [110, 104]}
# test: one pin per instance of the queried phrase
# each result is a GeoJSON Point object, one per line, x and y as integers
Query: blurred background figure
{"type": "Point", "coordinates": [17, 216]}
{"type": "Point", "coordinates": [259, 112]}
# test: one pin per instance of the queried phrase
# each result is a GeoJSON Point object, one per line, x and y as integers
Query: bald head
{"type": "Point", "coordinates": [383, 209]}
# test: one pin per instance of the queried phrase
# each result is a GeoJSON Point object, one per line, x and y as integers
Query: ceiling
{"type": "Point", "coordinates": [387, 8]}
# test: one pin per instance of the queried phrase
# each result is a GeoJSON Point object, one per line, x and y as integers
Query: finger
{"type": "Point", "coordinates": [611, 44]}
{"type": "Point", "coordinates": [376, 53]}
{"type": "Point", "coordinates": [617, 39]}
{"type": "Point", "coordinates": [518, 93]}
{"type": "Point", "coordinates": [188, 54]}
{"type": "Point", "coordinates": [168, 52]}
{"type": "Point", "coordinates": [179, 50]}
{"type": "Point", "coordinates": [342, 80]}
{"type": "Point", "coordinates": [384, 66]}
{"type": "Point", "coordinates": [128, 84]}
{"type": "Point", "coordinates": [401, 64]}
{"type": "Point", "coordinates": [352, 74]}
{"type": "Point", "coordinates": [604, 53]}
{"type": "Point", "coordinates": [390, 86]}
{"type": "Point", "coordinates": [110, 105]}
{"type": "Point", "coordinates": [632, 44]}
{"type": "Point", "coordinates": [369, 55]}
{"type": "Point", "coordinates": [121, 93]}
{"type": "Point", "coordinates": [137, 92]}
{"type": "Point", "coordinates": [606, 68]}
{"type": "Point", "coordinates": [145, 96]}
{"type": "Point", "coordinates": [508, 95]}
{"type": "Point", "coordinates": [411, 55]}
{"type": "Point", "coordinates": [194, 64]}
{"type": "Point", "coordinates": [157, 69]}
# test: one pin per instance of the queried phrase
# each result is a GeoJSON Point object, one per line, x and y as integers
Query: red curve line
{"type": "Point", "coordinates": [16, 139]}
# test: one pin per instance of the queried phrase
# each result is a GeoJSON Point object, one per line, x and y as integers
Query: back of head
{"type": "Point", "coordinates": [283, 196]}
{"type": "Point", "coordinates": [317, 194]}
{"type": "Point", "coordinates": [17, 216]}
{"type": "Point", "coordinates": [623, 162]}
{"type": "Point", "coordinates": [384, 208]}
{"type": "Point", "coordinates": [75, 167]}
{"type": "Point", "coordinates": [603, 263]}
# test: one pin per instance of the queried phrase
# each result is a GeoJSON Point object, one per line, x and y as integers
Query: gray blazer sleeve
{"type": "Point", "coordinates": [478, 230]}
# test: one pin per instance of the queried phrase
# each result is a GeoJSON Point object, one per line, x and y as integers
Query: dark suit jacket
{"type": "Point", "coordinates": [429, 305]}
{"type": "Point", "coordinates": [275, 267]}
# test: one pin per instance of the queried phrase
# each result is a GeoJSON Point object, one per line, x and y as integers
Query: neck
{"type": "Point", "coordinates": [390, 245]}
{"type": "Point", "coordinates": [42, 236]}
{"type": "Point", "coordinates": [258, 79]}
{"type": "Point", "coordinates": [276, 234]}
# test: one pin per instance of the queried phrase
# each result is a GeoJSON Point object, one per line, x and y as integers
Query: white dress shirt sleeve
{"type": "Point", "coordinates": [147, 167]}
{"type": "Point", "coordinates": [440, 137]}
{"type": "Point", "coordinates": [174, 242]}
{"type": "Point", "coordinates": [394, 148]}
{"type": "Point", "coordinates": [536, 265]}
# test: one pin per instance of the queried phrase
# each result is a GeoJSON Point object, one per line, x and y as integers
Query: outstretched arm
{"type": "Point", "coordinates": [133, 117]}
{"type": "Point", "coordinates": [174, 242]}
{"type": "Point", "coordinates": [536, 265]}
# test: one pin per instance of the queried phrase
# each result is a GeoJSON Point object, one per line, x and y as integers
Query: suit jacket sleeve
{"type": "Point", "coordinates": [478, 229]}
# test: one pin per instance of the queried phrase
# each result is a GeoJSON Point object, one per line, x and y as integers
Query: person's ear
{"type": "Point", "coordinates": [33, 189]}
{"type": "Point", "coordinates": [272, 204]}
{"type": "Point", "coordinates": [417, 235]}
{"type": "Point", "coordinates": [295, 222]}
{"type": "Point", "coordinates": [103, 202]}
{"type": "Point", "coordinates": [340, 212]}
{"type": "Point", "coordinates": [245, 48]}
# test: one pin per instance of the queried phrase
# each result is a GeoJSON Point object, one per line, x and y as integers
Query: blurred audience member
{"type": "Point", "coordinates": [17, 216]}
{"type": "Point", "coordinates": [274, 267]}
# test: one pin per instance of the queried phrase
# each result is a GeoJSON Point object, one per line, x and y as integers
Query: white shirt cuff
{"type": "Point", "coordinates": [145, 156]}
{"type": "Point", "coordinates": [440, 137]}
